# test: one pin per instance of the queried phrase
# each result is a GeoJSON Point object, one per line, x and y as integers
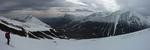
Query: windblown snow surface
{"type": "Point", "coordinates": [133, 41]}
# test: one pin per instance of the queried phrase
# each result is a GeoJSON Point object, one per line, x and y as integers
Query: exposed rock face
{"type": "Point", "coordinates": [88, 28]}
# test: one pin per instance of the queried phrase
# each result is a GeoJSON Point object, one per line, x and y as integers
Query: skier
{"type": "Point", "coordinates": [7, 35]}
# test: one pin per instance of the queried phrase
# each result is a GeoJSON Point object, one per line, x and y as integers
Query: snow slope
{"type": "Point", "coordinates": [133, 41]}
{"type": "Point", "coordinates": [31, 24]}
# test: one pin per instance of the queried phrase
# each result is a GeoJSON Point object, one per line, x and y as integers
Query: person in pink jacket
{"type": "Point", "coordinates": [7, 35]}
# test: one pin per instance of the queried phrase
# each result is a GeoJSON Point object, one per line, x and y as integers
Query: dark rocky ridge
{"type": "Point", "coordinates": [89, 29]}
{"type": "Point", "coordinates": [94, 29]}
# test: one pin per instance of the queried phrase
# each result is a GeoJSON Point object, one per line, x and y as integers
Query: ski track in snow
{"type": "Point", "coordinates": [133, 41]}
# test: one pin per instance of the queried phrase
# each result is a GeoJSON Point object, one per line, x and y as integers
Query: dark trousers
{"type": "Point", "coordinates": [8, 41]}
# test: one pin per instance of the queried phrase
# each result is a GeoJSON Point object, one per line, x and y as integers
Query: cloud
{"type": "Point", "coordinates": [76, 2]}
{"type": "Point", "coordinates": [38, 7]}
{"type": "Point", "coordinates": [9, 5]}
{"type": "Point", "coordinates": [140, 6]}
{"type": "Point", "coordinates": [12, 7]}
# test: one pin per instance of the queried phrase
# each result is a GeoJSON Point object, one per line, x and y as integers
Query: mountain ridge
{"type": "Point", "coordinates": [27, 29]}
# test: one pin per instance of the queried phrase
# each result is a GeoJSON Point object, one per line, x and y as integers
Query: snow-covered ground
{"type": "Point", "coordinates": [133, 41]}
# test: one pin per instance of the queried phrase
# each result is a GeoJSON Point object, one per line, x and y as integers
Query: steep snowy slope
{"type": "Point", "coordinates": [31, 27]}
{"type": "Point", "coordinates": [36, 24]}
{"type": "Point", "coordinates": [31, 19]}
{"type": "Point", "coordinates": [11, 23]}
{"type": "Point", "coordinates": [133, 41]}
{"type": "Point", "coordinates": [30, 24]}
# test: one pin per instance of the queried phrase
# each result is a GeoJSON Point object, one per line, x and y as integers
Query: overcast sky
{"type": "Point", "coordinates": [141, 6]}
{"type": "Point", "coordinates": [58, 7]}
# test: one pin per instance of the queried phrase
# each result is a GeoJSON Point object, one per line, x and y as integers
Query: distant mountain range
{"type": "Point", "coordinates": [96, 25]}
{"type": "Point", "coordinates": [100, 24]}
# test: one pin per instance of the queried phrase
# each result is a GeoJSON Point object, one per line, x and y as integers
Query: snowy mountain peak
{"type": "Point", "coordinates": [130, 17]}
{"type": "Point", "coordinates": [31, 19]}
{"type": "Point", "coordinates": [126, 16]}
